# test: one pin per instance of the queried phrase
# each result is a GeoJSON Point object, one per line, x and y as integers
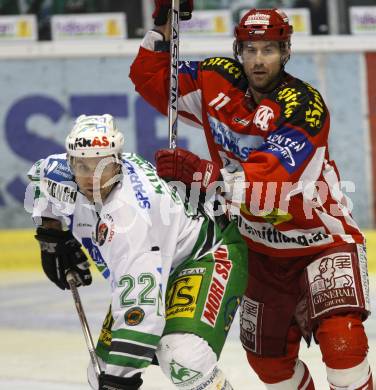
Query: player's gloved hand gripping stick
{"type": "Point", "coordinates": [175, 163]}
{"type": "Point", "coordinates": [162, 10]}
{"type": "Point", "coordinates": [60, 253]}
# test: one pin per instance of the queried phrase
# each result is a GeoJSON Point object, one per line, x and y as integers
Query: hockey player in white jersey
{"type": "Point", "coordinates": [177, 277]}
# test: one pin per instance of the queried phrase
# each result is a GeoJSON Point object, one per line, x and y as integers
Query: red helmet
{"type": "Point", "coordinates": [263, 25]}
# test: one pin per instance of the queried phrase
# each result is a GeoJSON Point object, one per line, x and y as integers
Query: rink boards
{"type": "Point", "coordinates": [37, 112]}
{"type": "Point", "coordinates": [19, 250]}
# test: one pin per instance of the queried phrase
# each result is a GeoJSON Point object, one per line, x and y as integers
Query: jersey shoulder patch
{"type": "Point", "coordinates": [56, 168]}
{"type": "Point", "coordinates": [57, 180]}
{"type": "Point", "coordinates": [190, 68]}
{"type": "Point", "coordinates": [302, 104]}
{"type": "Point", "coordinates": [228, 68]}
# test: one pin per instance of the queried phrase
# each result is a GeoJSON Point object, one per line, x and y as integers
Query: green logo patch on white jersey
{"type": "Point", "coordinates": [180, 374]}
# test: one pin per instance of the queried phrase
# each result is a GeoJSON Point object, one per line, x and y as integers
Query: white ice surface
{"type": "Point", "coordinates": [42, 346]}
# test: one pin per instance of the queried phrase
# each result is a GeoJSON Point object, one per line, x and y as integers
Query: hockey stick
{"type": "Point", "coordinates": [84, 324]}
{"type": "Point", "coordinates": [174, 75]}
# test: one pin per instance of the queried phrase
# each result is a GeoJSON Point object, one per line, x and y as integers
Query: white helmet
{"type": "Point", "coordinates": [94, 136]}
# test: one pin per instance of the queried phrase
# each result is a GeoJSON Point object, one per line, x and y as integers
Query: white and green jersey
{"type": "Point", "coordinates": [136, 238]}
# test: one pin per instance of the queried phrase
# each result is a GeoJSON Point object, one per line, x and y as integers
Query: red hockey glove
{"type": "Point", "coordinates": [180, 165]}
{"type": "Point", "coordinates": [162, 7]}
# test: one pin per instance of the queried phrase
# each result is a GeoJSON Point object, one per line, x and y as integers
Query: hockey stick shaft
{"type": "Point", "coordinates": [174, 75]}
{"type": "Point", "coordinates": [84, 324]}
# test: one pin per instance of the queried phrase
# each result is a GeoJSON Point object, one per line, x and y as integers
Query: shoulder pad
{"type": "Point", "coordinates": [229, 68]}
{"type": "Point", "coordinates": [189, 67]}
{"type": "Point", "coordinates": [301, 101]}
{"type": "Point", "coordinates": [144, 175]}
{"type": "Point", "coordinates": [139, 161]}
{"type": "Point", "coordinates": [57, 180]}
{"type": "Point", "coordinates": [34, 172]}
{"type": "Point", "coordinates": [57, 169]}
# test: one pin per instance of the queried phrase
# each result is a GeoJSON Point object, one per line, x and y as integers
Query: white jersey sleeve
{"type": "Point", "coordinates": [54, 190]}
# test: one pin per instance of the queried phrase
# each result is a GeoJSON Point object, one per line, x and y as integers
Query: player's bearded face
{"type": "Point", "coordinates": [95, 176]}
{"type": "Point", "coordinates": [262, 63]}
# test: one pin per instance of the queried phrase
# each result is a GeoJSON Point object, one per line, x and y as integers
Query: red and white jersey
{"type": "Point", "coordinates": [277, 150]}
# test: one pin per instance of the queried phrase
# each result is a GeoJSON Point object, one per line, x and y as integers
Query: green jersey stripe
{"type": "Point", "coordinates": [133, 335]}
{"type": "Point", "coordinates": [202, 238]}
{"type": "Point", "coordinates": [127, 361]}
{"type": "Point", "coordinates": [210, 235]}
{"type": "Point", "coordinates": [102, 351]}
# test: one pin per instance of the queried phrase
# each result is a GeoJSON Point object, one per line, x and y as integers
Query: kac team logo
{"type": "Point", "coordinates": [263, 117]}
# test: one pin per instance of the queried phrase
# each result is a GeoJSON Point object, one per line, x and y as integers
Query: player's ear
{"type": "Point", "coordinates": [285, 52]}
{"type": "Point", "coordinates": [237, 48]}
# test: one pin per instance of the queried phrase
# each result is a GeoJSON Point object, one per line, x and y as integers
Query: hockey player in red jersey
{"type": "Point", "coordinates": [267, 134]}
